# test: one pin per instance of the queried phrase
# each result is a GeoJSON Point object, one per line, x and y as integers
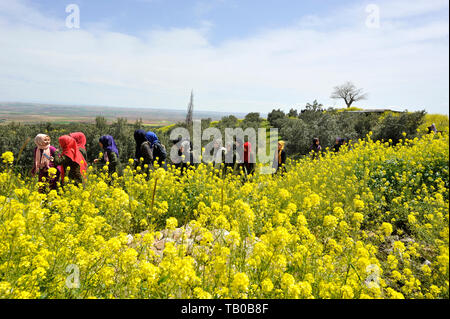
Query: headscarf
{"type": "Point", "coordinates": [280, 150]}
{"type": "Point", "coordinates": [177, 140]}
{"type": "Point", "coordinates": [139, 137]}
{"type": "Point", "coordinates": [229, 153]}
{"type": "Point", "coordinates": [314, 146]}
{"type": "Point", "coordinates": [239, 150]}
{"type": "Point", "coordinates": [80, 138]}
{"type": "Point", "coordinates": [433, 128]}
{"type": "Point", "coordinates": [40, 161]}
{"type": "Point", "coordinates": [218, 152]}
{"type": "Point", "coordinates": [337, 144]}
{"type": "Point", "coordinates": [151, 137]}
{"type": "Point", "coordinates": [216, 149]}
{"type": "Point", "coordinates": [247, 151]}
{"type": "Point", "coordinates": [70, 149]}
{"type": "Point", "coordinates": [109, 145]}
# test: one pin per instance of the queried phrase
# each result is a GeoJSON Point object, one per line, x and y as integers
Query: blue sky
{"type": "Point", "coordinates": [231, 18]}
{"type": "Point", "coordinates": [237, 55]}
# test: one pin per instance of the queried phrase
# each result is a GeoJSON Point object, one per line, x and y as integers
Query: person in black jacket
{"type": "Point", "coordinates": [337, 144]}
{"type": "Point", "coordinates": [144, 154]}
{"type": "Point", "coordinates": [230, 159]}
{"type": "Point", "coordinates": [239, 155]}
{"type": "Point", "coordinates": [158, 150]}
{"type": "Point", "coordinates": [177, 158]}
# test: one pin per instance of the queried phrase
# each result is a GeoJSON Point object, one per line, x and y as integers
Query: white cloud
{"type": "Point", "coordinates": [406, 9]}
{"type": "Point", "coordinates": [401, 64]}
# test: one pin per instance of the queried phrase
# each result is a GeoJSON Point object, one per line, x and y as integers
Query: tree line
{"type": "Point", "coordinates": [297, 128]}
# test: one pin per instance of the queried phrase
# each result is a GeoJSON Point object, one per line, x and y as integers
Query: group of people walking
{"type": "Point", "coordinates": [316, 149]}
{"type": "Point", "coordinates": [71, 160]}
{"type": "Point", "coordinates": [236, 157]}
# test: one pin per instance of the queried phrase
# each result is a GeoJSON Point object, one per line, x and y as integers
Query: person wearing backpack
{"type": "Point", "coordinates": [158, 150]}
{"type": "Point", "coordinates": [144, 154]}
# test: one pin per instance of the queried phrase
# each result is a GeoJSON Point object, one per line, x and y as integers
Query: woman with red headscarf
{"type": "Point", "coordinates": [72, 162]}
{"type": "Point", "coordinates": [80, 138]}
{"type": "Point", "coordinates": [249, 162]}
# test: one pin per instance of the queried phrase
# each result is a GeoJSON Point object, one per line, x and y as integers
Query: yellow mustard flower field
{"type": "Point", "coordinates": [370, 222]}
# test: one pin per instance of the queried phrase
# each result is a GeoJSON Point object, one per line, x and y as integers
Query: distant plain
{"type": "Point", "coordinates": [34, 113]}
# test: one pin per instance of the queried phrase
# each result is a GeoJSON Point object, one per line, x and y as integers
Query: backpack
{"type": "Point", "coordinates": [159, 151]}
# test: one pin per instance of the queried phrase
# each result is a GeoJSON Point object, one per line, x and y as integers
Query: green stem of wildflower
{"type": "Point", "coordinates": [21, 149]}
{"type": "Point", "coordinates": [221, 204]}
{"type": "Point", "coordinates": [153, 196]}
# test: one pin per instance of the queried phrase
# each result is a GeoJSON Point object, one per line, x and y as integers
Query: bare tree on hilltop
{"type": "Point", "coordinates": [349, 93]}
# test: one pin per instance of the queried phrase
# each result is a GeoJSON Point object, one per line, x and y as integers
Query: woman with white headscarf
{"type": "Point", "coordinates": [43, 153]}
